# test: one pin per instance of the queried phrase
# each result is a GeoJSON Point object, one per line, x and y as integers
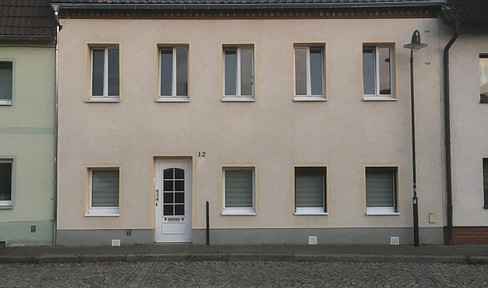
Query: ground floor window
{"type": "Point", "coordinates": [238, 190]}
{"type": "Point", "coordinates": [104, 191]}
{"type": "Point", "coordinates": [6, 167]}
{"type": "Point", "coordinates": [381, 190]}
{"type": "Point", "coordinates": [310, 190]}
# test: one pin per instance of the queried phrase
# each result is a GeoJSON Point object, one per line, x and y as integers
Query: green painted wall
{"type": "Point", "coordinates": [27, 137]}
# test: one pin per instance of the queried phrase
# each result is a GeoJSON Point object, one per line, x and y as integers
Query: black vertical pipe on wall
{"type": "Point", "coordinates": [447, 134]}
{"type": "Point", "coordinates": [207, 222]}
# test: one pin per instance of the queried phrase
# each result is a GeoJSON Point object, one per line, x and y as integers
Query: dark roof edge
{"type": "Point", "coordinates": [27, 40]}
{"type": "Point", "coordinates": [85, 6]}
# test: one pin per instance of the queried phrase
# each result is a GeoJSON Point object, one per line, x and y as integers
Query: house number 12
{"type": "Point", "coordinates": [202, 154]}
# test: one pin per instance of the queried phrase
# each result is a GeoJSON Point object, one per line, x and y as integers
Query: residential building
{"type": "Point", "coordinates": [27, 122]}
{"type": "Point", "coordinates": [292, 120]}
{"type": "Point", "coordinates": [466, 65]}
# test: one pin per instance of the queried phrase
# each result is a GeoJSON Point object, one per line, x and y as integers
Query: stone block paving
{"type": "Point", "coordinates": [242, 274]}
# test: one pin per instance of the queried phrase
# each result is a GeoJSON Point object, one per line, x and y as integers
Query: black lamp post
{"type": "Point", "coordinates": [414, 45]}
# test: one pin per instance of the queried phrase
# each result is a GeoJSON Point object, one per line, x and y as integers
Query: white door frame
{"type": "Point", "coordinates": [173, 228]}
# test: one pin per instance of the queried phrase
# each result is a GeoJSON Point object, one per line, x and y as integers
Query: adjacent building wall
{"type": "Point", "coordinates": [468, 137]}
{"type": "Point", "coordinates": [274, 133]}
{"type": "Point", "coordinates": [27, 137]}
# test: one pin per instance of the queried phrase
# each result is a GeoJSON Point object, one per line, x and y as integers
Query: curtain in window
{"type": "Point", "coordinates": [105, 188]}
{"type": "Point", "coordinates": [380, 187]}
{"type": "Point", "coordinates": [309, 187]}
{"type": "Point", "coordinates": [238, 188]}
{"type": "Point", "coordinates": [5, 80]}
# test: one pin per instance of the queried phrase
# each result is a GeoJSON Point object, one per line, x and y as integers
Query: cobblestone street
{"type": "Point", "coordinates": [242, 274]}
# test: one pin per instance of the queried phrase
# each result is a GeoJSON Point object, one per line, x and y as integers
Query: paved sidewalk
{"type": "Point", "coordinates": [473, 254]}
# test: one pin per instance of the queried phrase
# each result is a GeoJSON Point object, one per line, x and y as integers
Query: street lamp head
{"type": "Point", "coordinates": [415, 44]}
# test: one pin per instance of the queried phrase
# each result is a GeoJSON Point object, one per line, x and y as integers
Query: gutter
{"type": "Point", "coordinates": [447, 134]}
{"type": "Point", "coordinates": [392, 4]}
{"type": "Point", "coordinates": [55, 188]}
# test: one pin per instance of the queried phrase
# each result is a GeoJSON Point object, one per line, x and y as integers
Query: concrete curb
{"type": "Point", "coordinates": [235, 257]}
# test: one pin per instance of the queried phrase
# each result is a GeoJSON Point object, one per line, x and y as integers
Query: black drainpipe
{"type": "Point", "coordinates": [447, 128]}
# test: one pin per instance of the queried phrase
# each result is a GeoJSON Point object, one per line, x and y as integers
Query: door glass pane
{"type": "Point", "coordinates": [166, 71]}
{"type": "Point", "coordinates": [385, 70]}
{"type": "Point", "coordinates": [179, 210]}
{"type": "Point", "coordinates": [113, 72]}
{"type": "Point", "coordinates": [5, 181]}
{"type": "Point", "coordinates": [5, 80]}
{"type": "Point", "coordinates": [247, 71]}
{"type": "Point", "coordinates": [168, 210]}
{"type": "Point", "coordinates": [300, 71]}
{"type": "Point", "coordinates": [182, 72]}
{"type": "Point", "coordinates": [230, 71]}
{"type": "Point", "coordinates": [97, 72]}
{"type": "Point", "coordinates": [316, 71]}
{"type": "Point", "coordinates": [369, 70]}
{"type": "Point", "coordinates": [174, 192]}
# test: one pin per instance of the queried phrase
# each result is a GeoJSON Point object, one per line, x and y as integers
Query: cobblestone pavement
{"type": "Point", "coordinates": [242, 274]}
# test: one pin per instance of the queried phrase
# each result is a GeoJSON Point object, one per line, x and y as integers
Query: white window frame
{"type": "Point", "coordinates": [238, 97]}
{"type": "Point", "coordinates": [105, 97]}
{"type": "Point", "coordinates": [250, 211]}
{"type": "Point", "coordinates": [483, 67]}
{"type": "Point", "coordinates": [311, 210]}
{"type": "Point", "coordinates": [102, 211]}
{"type": "Point", "coordinates": [8, 102]}
{"type": "Point", "coordinates": [174, 97]}
{"type": "Point", "coordinates": [8, 204]}
{"type": "Point", "coordinates": [385, 211]}
{"type": "Point", "coordinates": [309, 96]}
{"type": "Point", "coordinates": [377, 96]}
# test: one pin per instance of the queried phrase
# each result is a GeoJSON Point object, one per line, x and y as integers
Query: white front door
{"type": "Point", "coordinates": [173, 200]}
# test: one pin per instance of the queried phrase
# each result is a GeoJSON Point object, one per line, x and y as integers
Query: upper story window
{"type": "Point", "coordinates": [310, 190]}
{"type": "Point", "coordinates": [381, 190]}
{"type": "Point", "coordinates": [6, 83]}
{"type": "Point", "coordinates": [484, 78]}
{"type": "Point", "coordinates": [238, 73]}
{"type": "Point", "coordinates": [104, 192]}
{"type": "Point", "coordinates": [485, 183]}
{"type": "Point", "coordinates": [173, 74]}
{"type": "Point", "coordinates": [6, 167]}
{"type": "Point", "coordinates": [105, 83]}
{"type": "Point", "coordinates": [309, 72]}
{"type": "Point", "coordinates": [238, 191]}
{"type": "Point", "coordinates": [378, 68]}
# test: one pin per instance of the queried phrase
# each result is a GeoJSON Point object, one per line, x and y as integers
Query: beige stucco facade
{"type": "Point", "coordinates": [273, 134]}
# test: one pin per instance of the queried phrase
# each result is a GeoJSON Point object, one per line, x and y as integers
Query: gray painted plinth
{"type": "Point", "coordinates": [380, 236]}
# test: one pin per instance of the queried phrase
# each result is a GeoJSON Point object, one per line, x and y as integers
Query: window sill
{"type": "Point", "coordinates": [381, 212]}
{"type": "Point", "coordinates": [7, 207]}
{"type": "Point", "coordinates": [173, 100]}
{"type": "Point", "coordinates": [309, 99]}
{"type": "Point", "coordinates": [239, 212]}
{"type": "Point", "coordinates": [101, 215]}
{"type": "Point", "coordinates": [378, 98]}
{"type": "Point", "coordinates": [310, 214]}
{"type": "Point", "coordinates": [238, 99]}
{"type": "Point", "coordinates": [103, 100]}
{"type": "Point", "coordinates": [5, 103]}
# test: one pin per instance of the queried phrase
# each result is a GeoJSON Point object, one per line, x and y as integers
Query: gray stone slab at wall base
{"type": "Point", "coordinates": [379, 236]}
{"type": "Point", "coordinates": [100, 237]}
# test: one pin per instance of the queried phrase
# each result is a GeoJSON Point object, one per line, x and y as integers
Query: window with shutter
{"type": "Point", "coordinates": [310, 190]}
{"type": "Point", "coordinates": [238, 191]}
{"type": "Point", "coordinates": [381, 190]}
